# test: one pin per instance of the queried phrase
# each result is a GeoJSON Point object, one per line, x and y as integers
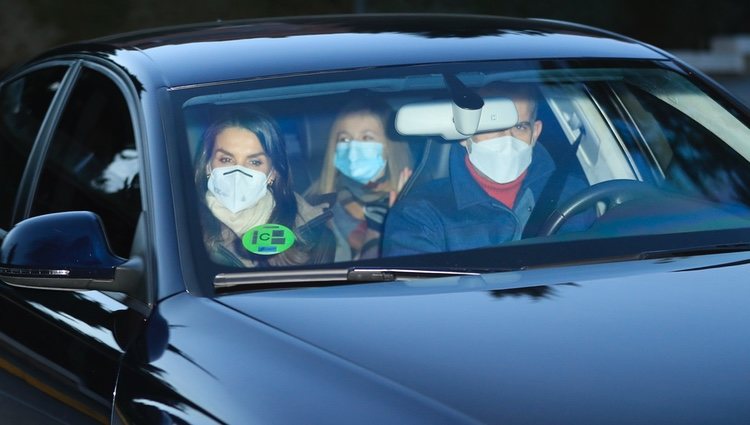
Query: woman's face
{"type": "Point", "coordinates": [361, 126]}
{"type": "Point", "coordinates": [239, 146]}
{"type": "Point", "coordinates": [359, 146]}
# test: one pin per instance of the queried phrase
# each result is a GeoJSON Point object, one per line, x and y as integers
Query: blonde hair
{"type": "Point", "coordinates": [396, 153]}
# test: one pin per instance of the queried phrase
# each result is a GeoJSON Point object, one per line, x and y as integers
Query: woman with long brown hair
{"type": "Point", "coordinates": [244, 181]}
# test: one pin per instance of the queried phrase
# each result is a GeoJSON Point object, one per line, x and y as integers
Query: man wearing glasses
{"type": "Point", "coordinates": [494, 182]}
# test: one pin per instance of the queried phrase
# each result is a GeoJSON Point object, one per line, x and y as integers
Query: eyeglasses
{"type": "Point", "coordinates": [521, 130]}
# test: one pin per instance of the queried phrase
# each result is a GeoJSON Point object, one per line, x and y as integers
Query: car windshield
{"type": "Point", "coordinates": [475, 166]}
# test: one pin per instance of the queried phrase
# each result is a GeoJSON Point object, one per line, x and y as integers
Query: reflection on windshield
{"type": "Point", "coordinates": [346, 169]}
{"type": "Point", "coordinates": [119, 174]}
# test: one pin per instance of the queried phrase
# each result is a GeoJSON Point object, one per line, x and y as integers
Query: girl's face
{"type": "Point", "coordinates": [361, 126]}
{"type": "Point", "coordinates": [239, 146]}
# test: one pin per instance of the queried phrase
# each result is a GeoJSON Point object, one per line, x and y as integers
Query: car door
{"type": "Point", "coordinates": [24, 102]}
{"type": "Point", "coordinates": [61, 350]}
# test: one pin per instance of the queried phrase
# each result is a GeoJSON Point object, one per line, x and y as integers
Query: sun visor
{"type": "Point", "coordinates": [436, 118]}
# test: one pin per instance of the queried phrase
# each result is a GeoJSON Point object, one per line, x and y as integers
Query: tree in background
{"type": "Point", "coordinates": [21, 34]}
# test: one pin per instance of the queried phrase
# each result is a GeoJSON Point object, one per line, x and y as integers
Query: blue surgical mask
{"type": "Point", "coordinates": [360, 160]}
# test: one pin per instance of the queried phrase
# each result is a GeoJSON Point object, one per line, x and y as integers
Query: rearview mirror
{"type": "Point", "coordinates": [436, 118]}
{"type": "Point", "coordinates": [67, 250]}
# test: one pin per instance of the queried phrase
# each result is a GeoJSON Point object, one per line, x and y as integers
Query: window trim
{"type": "Point", "coordinates": [28, 179]}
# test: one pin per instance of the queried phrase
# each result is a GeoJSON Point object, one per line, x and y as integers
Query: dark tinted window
{"type": "Point", "coordinates": [23, 105]}
{"type": "Point", "coordinates": [92, 163]}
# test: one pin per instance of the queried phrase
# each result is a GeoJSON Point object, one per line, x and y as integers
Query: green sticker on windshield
{"type": "Point", "coordinates": [268, 239]}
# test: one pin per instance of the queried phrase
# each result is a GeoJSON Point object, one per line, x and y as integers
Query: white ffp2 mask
{"type": "Point", "coordinates": [502, 159]}
{"type": "Point", "coordinates": [237, 187]}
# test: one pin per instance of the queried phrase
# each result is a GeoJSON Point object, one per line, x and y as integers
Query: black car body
{"type": "Point", "coordinates": [645, 322]}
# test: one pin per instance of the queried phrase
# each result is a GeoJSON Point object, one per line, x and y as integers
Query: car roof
{"type": "Point", "coordinates": [237, 50]}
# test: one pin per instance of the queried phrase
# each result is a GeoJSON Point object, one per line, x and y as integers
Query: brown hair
{"type": "Point", "coordinates": [514, 91]}
{"type": "Point", "coordinates": [265, 128]}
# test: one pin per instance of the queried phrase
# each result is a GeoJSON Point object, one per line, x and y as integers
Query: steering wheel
{"type": "Point", "coordinates": [611, 193]}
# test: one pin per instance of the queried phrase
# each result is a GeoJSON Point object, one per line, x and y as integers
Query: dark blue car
{"type": "Point", "coordinates": [373, 219]}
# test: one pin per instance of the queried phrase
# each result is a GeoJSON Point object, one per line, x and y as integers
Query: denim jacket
{"type": "Point", "coordinates": [455, 213]}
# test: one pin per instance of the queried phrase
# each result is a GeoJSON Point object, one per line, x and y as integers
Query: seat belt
{"type": "Point", "coordinates": [548, 200]}
{"type": "Point", "coordinates": [550, 195]}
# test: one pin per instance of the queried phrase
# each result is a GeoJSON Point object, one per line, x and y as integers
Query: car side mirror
{"type": "Point", "coordinates": [67, 250]}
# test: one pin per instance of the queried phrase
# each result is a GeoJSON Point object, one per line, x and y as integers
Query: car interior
{"type": "Point", "coordinates": [596, 126]}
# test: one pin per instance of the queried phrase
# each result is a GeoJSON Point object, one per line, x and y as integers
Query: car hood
{"type": "Point", "coordinates": [631, 342]}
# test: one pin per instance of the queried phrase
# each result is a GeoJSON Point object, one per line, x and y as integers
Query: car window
{"type": "Point", "coordinates": [92, 162]}
{"type": "Point", "coordinates": [23, 106]}
{"type": "Point", "coordinates": [688, 154]}
{"type": "Point", "coordinates": [599, 152]}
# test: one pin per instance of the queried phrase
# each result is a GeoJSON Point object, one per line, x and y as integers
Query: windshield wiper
{"type": "Point", "coordinates": [293, 278]}
{"type": "Point", "coordinates": [363, 274]}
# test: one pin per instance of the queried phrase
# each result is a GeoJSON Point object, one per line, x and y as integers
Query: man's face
{"type": "Point", "coordinates": [527, 129]}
